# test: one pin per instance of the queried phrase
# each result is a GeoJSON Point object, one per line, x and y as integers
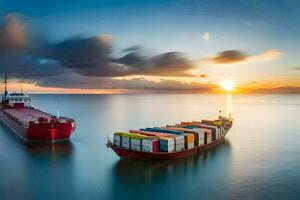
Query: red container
{"type": "Point", "coordinates": [155, 144]}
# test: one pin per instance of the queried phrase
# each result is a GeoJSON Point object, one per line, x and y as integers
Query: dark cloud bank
{"type": "Point", "coordinates": [87, 62]}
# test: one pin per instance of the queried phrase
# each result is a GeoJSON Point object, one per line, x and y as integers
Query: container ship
{"type": "Point", "coordinates": [31, 124]}
{"type": "Point", "coordinates": [171, 141]}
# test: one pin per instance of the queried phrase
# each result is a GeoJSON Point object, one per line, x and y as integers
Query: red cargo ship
{"type": "Point", "coordinates": [152, 156]}
{"type": "Point", "coordinates": [31, 124]}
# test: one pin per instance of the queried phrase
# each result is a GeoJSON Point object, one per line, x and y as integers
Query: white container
{"type": "Point", "coordinates": [125, 142]}
{"type": "Point", "coordinates": [223, 131]}
{"type": "Point", "coordinates": [201, 137]}
{"type": "Point", "coordinates": [147, 146]}
{"type": "Point", "coordinates": [135, 144]}
{"type": "Point", "coordinates": [208, 139]}
{"type": "Point", "coordinates": [179, 147]}
{"type": "Point", "coordinates": [190, 145]}
{"type": "Point", "coordinates": [179, 143]}
{"type": "Point", "coordinates": [117, 140]}
{"type": "Point", "coordinates": [201, 133]}
{"type": "Point", "coordinates": [135, 147]}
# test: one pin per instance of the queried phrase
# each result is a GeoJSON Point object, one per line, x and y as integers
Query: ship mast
{"type": "Point", "coordinates": [5, 82]}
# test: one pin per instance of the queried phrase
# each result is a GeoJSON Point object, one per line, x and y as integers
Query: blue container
{"type": "Point", "coordinates": [192, 126]}
{"type": "Point", "coordinates": [156, 129]}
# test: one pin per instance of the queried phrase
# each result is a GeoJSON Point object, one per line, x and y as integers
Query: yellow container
{"type": "Point", "coordinates": [189, 137]}
{"type": "Point", "coordinates": [131, 135]}
{"type": "Point", "coordinates": [217, 123]}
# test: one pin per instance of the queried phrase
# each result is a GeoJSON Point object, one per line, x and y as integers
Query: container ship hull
{"type": "Point", "coordinates": [156, 156]}
{"type": "Point", "coordinates": [33, 125]}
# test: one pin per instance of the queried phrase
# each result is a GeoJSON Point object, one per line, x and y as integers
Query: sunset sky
{"type": "Point", "coordinates": [150, 46]}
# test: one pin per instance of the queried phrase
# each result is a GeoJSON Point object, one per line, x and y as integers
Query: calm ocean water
{"type": "Point", "coordinates": [260, 158]}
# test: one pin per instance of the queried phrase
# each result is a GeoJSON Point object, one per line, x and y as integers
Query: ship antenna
{"type": "Point", "coordinates": [58, 113]}
{"type": "Point", "coordinates": [5, 82]}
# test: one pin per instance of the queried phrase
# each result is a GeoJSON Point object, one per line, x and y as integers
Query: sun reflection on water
{"type": "Point", "coordinates": [229, 107]}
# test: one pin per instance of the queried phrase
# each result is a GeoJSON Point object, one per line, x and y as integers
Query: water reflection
{"type": "Point", "coordinates": [51, 151]}
{"type": "Point", "coordinates": [52, 165]}
{"type": "Point", "coordinates": [229, 108]}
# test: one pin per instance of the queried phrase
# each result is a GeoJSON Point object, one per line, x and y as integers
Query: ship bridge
{"type": "Point", "coordinates": [17, 100]}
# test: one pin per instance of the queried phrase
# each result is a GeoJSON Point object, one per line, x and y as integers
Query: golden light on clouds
{"type": "Point", "coordinates": [234, 57]}
{"type": "Point", "coordinates": [35, 89]}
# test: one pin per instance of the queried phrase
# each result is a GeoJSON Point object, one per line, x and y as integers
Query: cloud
{"type": "Point", "coordinates": [277, 90]}
{"type": "Point", "coordinates": [132, 48]}
{"type": "Point", "coordinates": [13, 34]}
{"type": "Point", "coordinates": [229, 56]}
{"type": "Point", "coordinates": [23, 66]}
{"type": "Point", "coordinates": [266, 56]}
{"type": "Point", "coordinates": [88, 62]}
{"type": "Point", "coordinates": [206, 36]}
{"type": "Point", "coordinates": [203, 75]}
{"type": "Point", "coordinates": [76, 81]}
{"type": "Point", "coordinates": [93, 57]}
{"type": "Point", "coordinates": [238, 56]}
{"type": "Point", "coordinates": [166, 64]}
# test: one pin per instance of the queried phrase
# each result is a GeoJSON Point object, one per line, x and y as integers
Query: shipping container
{"type": "Point", "coordinates": [150, 145]}
{"type": "Point", "coordinates": [187, 136]}
{"type": "Point", "coordinates": [125, 140]}
{"type": "Point", "coordinates": [136, 144]}
{"type": "Point", "coordinates": [201, 134]}
{"type": "Point", "coordinates": [178, 139]}
{"type": "Point", "coordinates": [190, 145]}
{"type": "Point", "coordinates": [215, 130]}
{"type": "Point", "coordinates": [117, 140]}
{"type": "Point", "coordinates": [206, 134]}
{"type": "Point", "coordinates": [166, 144]}
{"type": "Point", "coordinates": [185, 130]}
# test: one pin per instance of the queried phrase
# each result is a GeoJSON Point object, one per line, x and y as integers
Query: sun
{"type": "Point", "coordinates": [228, 85]}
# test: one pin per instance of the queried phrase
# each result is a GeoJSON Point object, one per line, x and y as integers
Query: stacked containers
{"type": "Point", "coordinates": [150, 145]}
{"type": "Point", "coordinates": [207, 131]}
{"type": "Point", "coordinates": [206, 134]}
{"type": "Point", "coordinates": [218, 124]}
{"type": "Point", "coordinates": [201, 134]}
{"type": "Point", "coordinates": [117, 140]}
{"type": "Point", "coordinates": [214, 129]}
{"type": "Point", "coordinates": [166, 144]}
{"type": "Point", "coordinates": [125, 142]}
{"type": "Point", "coordinates": [178, 139]}
{"type": "Point", "coordinates": [135, 144]}
{"type": "Point", "coordinates": [135, 141]}
{"type": "Point", "coordinates": [188, 138]}
{"type": "Point", "coordinates": [185, 130]}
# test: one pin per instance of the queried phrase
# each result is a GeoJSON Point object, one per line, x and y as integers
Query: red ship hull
{"type": "Point", "coordinates": [39, 131]}
{"type": "Point", "coordinates": [137, 155]}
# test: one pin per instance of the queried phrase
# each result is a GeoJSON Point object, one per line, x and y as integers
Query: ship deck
{"type": "Point", "coordinates": [26, 115]}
